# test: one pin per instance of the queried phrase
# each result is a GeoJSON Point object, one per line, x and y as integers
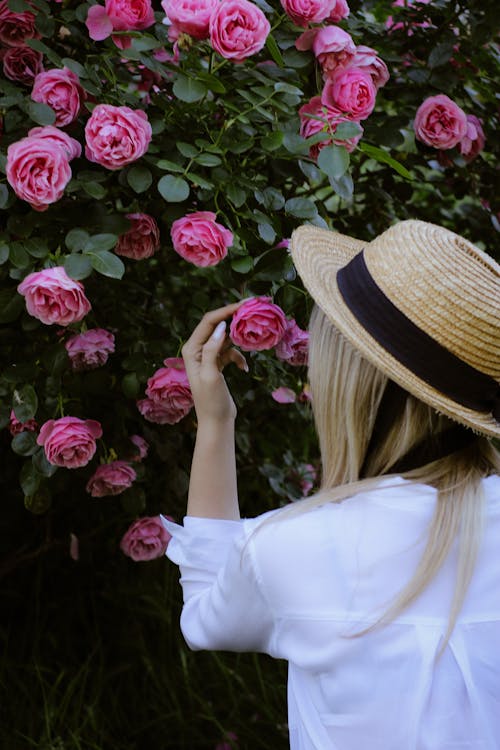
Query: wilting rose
{"type": "Point", "coordinates": [352, 92]}
{"type": "Point", "coordinates": [188, 17]}
{"type": "Point", "coordinates": [257, 324]}
{"type": "Point", "coordinates": [116, 136]}
{"type": "Point", "coordinates": [70, 145]}
{"type": "Point", "coordinates": [473, 141]}
{"type": "Point", "coordinates": [90, 349]}
{"type": "Point", "coordinates": [199, 239]}
{"type": "Point", "coordinates": [111, 479]}
{"type": "Point", "coordinates": [294, 345]}
{"type": "Point", "coordinates": [60, 90]}
{"type": "Point", "coordinates": [22, 64]}
{"type": "Point", "coordinates": [305, 12]}
{"type": "Point", "coordinates": [284, 395]}
{"type": "Point", "coordinates": [16, 28]}
{"type": "Point", "coordinates": [69, 441]}
{"type": "Point", "coordinates": [52, 297]}
{"type": "Point", "coordinates": [238, 29]}
{"type": "Point", "coordinates": [146, 539]}
{"type": "Point", "coordinates": [142, 240]}
{"type": "Point", "coordinates": [119, 15]}
{"type": "Point", "coordinates": [142, 447]}
{"type": "Point", "coordinates": [38, 171]}
{"type": "Point", "coordinates": [169, 388]}
{"type": "Point", "coordinates": [330, 120]}
{"type": "Point", "coordinates": [366, 58]}
{"type": "Point", "coordinates": [440, 123]}
{"type": "Point", "coordinates": [15, 426]}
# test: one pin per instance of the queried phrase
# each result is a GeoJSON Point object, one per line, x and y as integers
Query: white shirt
{"type": "Point", "coordinates": [297, 588]}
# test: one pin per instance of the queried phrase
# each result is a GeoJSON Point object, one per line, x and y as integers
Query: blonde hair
{"type": "Point", "coordinates": [347, 391]}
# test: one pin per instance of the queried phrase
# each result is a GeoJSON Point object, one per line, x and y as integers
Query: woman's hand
{"type": "Point", "coordinates": [205, 355]}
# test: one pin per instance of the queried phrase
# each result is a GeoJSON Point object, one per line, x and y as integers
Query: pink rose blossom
{"type": "Point", "coordinates": [352, 92]}
{"type": "Point", "coordinates": [142, 240]}
{"type": "Point", "coordinates": [305, 12]}
{"type": "Point", "coordinates": [119, 15]}
{"type": "Point", "coordinates": [15, 426]}
{"type": "Point", "coordinates": [407, 24]}
{"type": "Point", "coordinates": [440, 123]}
{"type": "Point", "coordinates": [238, 29]}
{"type": "Point", "coordinates": [293, 348]}
{"type": "Point", "coordinates": [111, 479]}
{"type": "Point", "coordinates": [284, 395]}
{"type": "Point", "coordinates": [61, 90]}
{"type": "Point", "coordinates": [340, 11]}
{"type": "Point", "coordinates": [98, 23]}
{"type": "Point", "coordinates": [22, 64]}
{"type": "Point", "coordinates": [473, 141]}
{"type": "Point", "coordinates": [330, 120]}
{"type": "Point", "coordinates": [305, 476]}
{"type": "Point", "coordinates": [16, 28]}
{"type": "Point", "coordinates": [70, 145]}
{"type": "Point", "coordinates": [116, 136]}
{"type": "Point", "coordinates": [74, 547]}
{"type": "Point", "coordinates": [90, 349]}
{"type": "Point", "coordinates": [158, 412]}
{"type": "Point", "coordinates": [169, 388]}
{"type": "Point", "coordinates": [199, 239]}
{"type": "Point", "coordinates": [69, 441]}
{"type": "Point", "coordinates": [142, 447]}
{"type": "Point", "coordinates": [52, 297]}
{"type": "Point", "coordinates": [146, 539]}
{"type": "Point", "coordinates": [188, 17]}
{"type": "Point", "coordinates": [38, 171]}
{"type": "Point", "coordinates": [332, 46]}
{"type": "Point", "coordinates": [366, 58]}
{"type": "Point", "coordinates": [257, 324]}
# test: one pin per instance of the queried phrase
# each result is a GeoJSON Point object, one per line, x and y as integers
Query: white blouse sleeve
{"type": "Point", "coordinates": [224, 607]}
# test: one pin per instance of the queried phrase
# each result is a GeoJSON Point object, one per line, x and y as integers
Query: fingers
{"type": "Point", "coordinates": [207, 325]}
{"type": "Point", "coordinates": [212, 350]}
{"type": "Point", "coordinates": [235, 356]}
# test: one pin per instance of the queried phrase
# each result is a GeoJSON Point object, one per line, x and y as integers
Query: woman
{"type": "Point", "coordinates": [383, 591]}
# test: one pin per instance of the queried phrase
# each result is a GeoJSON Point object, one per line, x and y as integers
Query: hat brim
{"type": "Point", "coordinates": [318, 254]}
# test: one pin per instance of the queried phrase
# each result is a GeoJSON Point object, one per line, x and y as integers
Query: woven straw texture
{"type": "Point", "coordinates": [445, 285]}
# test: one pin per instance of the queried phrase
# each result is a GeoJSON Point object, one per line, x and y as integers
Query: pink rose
{"type": "Point", "coordinates": [61, 90]}
{"type": "Point", "coordinates": [15, 426]}
{"type": "Point", "coordinates": [332, 46]}
{"type": "Point", "coordinates": [142, 447]}
{"type": "Point", "coordinates": [199, 239]}
{"type": "Point", "coordinates": [330, 119]}
{"type": "Point", "coordinates": [111, 479]}
{"type": "Point", "coordinates": [188, 17]}
{"type": "Point", "coordinates": [352, 92]}
{"type": "Point", "coordinates": [16, 28]}
{"type": "Point", "coordinates": [70, 145]}
{"type": "Point", "coordinates": [116, 136]}
{"type": "Point", "coordinates": [284, 395]}
{"type": "Point", "coordinates": [340, 10]}
{"type": "Point", "coordinates": [440, 123]}
{"type": "Point", "coordinates": [146, 539]}
{"type": "Point", "coordinates": [294, 345]}
{"type": "Point", "coordinates": [366, 58]}
{"type": "Point", "coordinates": [52, 297]}
{"type": "Point", "coordinates": [257, 324]}
{"type": "Point", "coordinates": [474, 139]}
{"type": "Point", "coordinates": [169, 388]}
{"type": "Point", "coordinates": [238, 29]}
{"type": "Point", "coordinates": [69, 441]}
{"type": "Point", "coordinates": [90, 349]}
{"type": "Point", "coordinates": [22, 64]}
{"type": "Point", "coordinates": [305, 12]}
{"type": "Point", "coordinates": [38, 171]}
{"type": "Point", "coordinates": [119, 15]}
{"type": "Point", "coordinates": [142, 240]}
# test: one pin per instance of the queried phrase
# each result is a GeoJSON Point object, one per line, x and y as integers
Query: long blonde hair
{"type": "Point", "coordinates": [347, 391]}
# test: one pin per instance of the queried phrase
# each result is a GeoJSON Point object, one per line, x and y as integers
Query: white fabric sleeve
{"type": "Point", "coordinates": [224, 607]}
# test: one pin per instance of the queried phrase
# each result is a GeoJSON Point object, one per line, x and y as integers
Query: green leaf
{"type": "Point", "coordinates": [187, 149]}
{"type": "Point", "coordinates": [333, 161]}
{"type": "Point", "coordinates": [36, 247]}
{"type": "Point", "coordinates": [107, 264]}
{"type": "Point", "coordinates": [267, 233]}
{"type": "Point", "coordinates": [25, 403]}
{"type": "Point", "coordinates": [199, 181]}
{"type": "Point", "coordinates": [130, 385]}
{"type": "Point", "coordinates": [11, 305]}
{"type": "Point", "coordinates": [42, 465]}
{"type": "Point", "coordinates": [139, 178]}
{"type": "Point", "coordinates": [383, 157]}
{"type": "Point", "coordinates": [99, 242]}
{"type": "Point", "coordinates": [76, 239]}
{"type": "Point", "coordinates": [94, 189]}
{"type": "Point", "coordinates": [169, 166]}
{"type": "Point", "coordinates": [344, 186]}
{"type": "Point", "coordinates": [173, 189]}
{"type": "Point", "coordinates": [18, 6]}
{"type": "Point", "coordinates": [188, 89]}
{"type": "Point", "coordinates": [274, 51]}
{"type": "Point", "coordinates": [345, 130]}
{"type": "Point", "coordinates": [40, 502]}
{"type": "Point", "coordinates": [75, 66]}
{"type": "Point", "coordinates": [4, 195]}
{"type": "Point", "coordinates": [302, 208]}
{"type": "Point", "coordinates": [242, 265]}
{"type": "Point", "coordinates": [236, 195]}
{"type": "Point", "coordinates": [77, 266]}
{"type": "Point", "coordinates": [40, 113]}
{"type": "Point", "coordinates": [440, 55]}
{"type": "Point", "coordinates": [208, 160]}
{"type": "Point", "coordinates": [287, 88]}
{"type": "Point", "coordinates": [213, 83]}
{"type": "Point", "coordinates": [272, 141]}
{"type": "Point", "coordinates": [29, 478]}
{"type": "Point", "coordinates": [47, 51]}
{"type": "Point", "coordinates": [18, 255]}
{"type": "Point", "coordinates": [24, 443]}
{"type": "Point", "coordinates": [4, 252]}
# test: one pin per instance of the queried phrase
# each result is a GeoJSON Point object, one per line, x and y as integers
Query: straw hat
{"type": "Point", "coordinates": [419, 302]}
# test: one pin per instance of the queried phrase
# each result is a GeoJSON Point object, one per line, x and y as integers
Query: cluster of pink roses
{"type": "Point", "coordinates": [119, 15]}
{"type": "Point", "coordinates": [237, 29]}
{"type": "Point", "coordinates": [442, 124]}
{"type": "Point", "coordinates": [352, 74]}
{"type": "Point", "coordinates": [20, 62]}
